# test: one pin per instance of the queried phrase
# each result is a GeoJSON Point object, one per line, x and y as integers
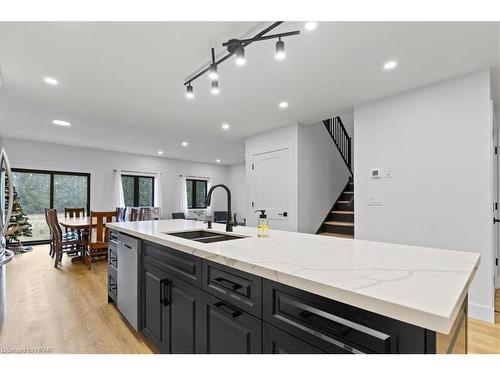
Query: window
{"type": "Point", "coordinates": [38, 190]}
{"type": "Point", "coordinates": [196, 193]}
{"type": "Point", "coordinates": [138, 191]}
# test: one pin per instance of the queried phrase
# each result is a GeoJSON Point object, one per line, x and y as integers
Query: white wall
{"type": "Point", "coordinates": [437, 142]}
{"type": "Point", "coordinates": [322, 176]}
{"type": "Point", "coordinates": [282, 137]}
{"type": "Point", "coordinates": [237, 184]}
{"type": "Point", "coordinates": [38, 155]}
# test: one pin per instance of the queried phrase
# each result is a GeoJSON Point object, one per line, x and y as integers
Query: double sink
{"type": "Point", "coordinates": [205, 236]}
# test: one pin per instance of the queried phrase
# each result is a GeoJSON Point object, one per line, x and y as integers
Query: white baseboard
{"type": "Point", "coordinates": [482, 312]}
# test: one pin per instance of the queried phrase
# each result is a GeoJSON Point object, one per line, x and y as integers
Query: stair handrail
{"type": "Point", "coordinates": [341, 138]}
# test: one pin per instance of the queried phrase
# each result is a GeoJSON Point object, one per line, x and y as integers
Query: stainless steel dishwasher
{"type": "Point", "coordinates": [128, 258]}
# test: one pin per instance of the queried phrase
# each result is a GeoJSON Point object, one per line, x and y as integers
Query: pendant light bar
{"type": "Point", "coordinates": [235, 45]}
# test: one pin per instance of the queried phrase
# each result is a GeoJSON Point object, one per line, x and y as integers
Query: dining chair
{"type": "Point", "coordinates": [122, 214]}
{"type": "Point", "coordinates": [135, 214]}
{"type": "Point", "coordinates": [178, 215]}
{"type": "Point", "coordinates": [146, 213]}
{"type": "Point", "coordinates": [62, 244]}
{"type": "Point", "coordinates": [98, 237]}
{"type": "Point", "coordinates": [74, 212]}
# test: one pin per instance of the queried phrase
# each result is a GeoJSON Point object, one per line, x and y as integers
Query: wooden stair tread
{"type": "Point", "coordinates": [348, 192]}
{"type": "Point", "coordinates": [342, 212]}
{"type": "Point", "coordinates": [343, 201]}
{"type": "Point", "coordinates": [336, 235]}
{"type": "Point", "coordinates": [340, 223]}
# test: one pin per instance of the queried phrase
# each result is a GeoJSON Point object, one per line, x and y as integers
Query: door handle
{"type": "Point", "coordinates": [495, 220]}
{"type": "Point", "coordinates": [165, 297]}
{"type": "Point", "coordinates": [285, 214]}
{"type": "Point", "coordinates": [227, 310]}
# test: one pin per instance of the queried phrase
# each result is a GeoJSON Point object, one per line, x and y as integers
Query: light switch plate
{"type": "Point", "coordinates": [375, 173]}
{"type": "Point", "coordinates": [374, 200]}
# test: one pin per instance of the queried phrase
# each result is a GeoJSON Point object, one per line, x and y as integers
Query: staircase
{"type": "Point", "coordinates": [340, 220]}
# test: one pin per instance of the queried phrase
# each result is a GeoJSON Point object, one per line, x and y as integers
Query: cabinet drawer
{"type": "Point", "coordinates": [329, 325]}
{"type": "Point", "coordinates": [236, 287]}
{"type": "Point", "coordinates": [113, 254]}
{"type": "Point", "coordinates": [276, 341]}
{"type": "Point", "coordinates": [228, 330]}
{"type": "Point", "coordinates": [112, 287]}
{"type": "Point", "coordinates": [112, 271]}
{"type": "Point", "coordinates": [184, 266]}
{"type": "Point", "coordinates": [129, 242]}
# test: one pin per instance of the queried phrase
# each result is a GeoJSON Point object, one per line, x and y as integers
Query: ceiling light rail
{"type": "Point", "coordinates": [237, 47]}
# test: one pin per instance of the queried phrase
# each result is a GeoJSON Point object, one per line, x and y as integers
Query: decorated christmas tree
{"type": "Point", "coordinates": [19, 226]}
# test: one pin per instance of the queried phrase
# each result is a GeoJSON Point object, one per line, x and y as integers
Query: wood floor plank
{"type": "Point", "coordinates": [63, 310]}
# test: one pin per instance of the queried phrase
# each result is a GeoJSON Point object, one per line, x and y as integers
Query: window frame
{"type": "Point", "coordinates": [193, 193]}
{"type": "Point", "coordinates": [52, 189]}
{"type": "Point", "coordinates": [136, 178]}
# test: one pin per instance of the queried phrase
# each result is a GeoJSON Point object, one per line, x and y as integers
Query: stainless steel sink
{"type": "Point", "coordinates": [205, 236]}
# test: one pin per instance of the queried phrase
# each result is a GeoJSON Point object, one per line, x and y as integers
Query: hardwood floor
{"type": "Point", "coordinates": [62, 310]}
{"type": "Point", "coordinates": [65, 310]}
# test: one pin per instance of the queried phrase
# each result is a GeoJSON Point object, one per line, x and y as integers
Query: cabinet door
{"type": "Point", "coordinates": [184, 317]}
{"type": "Point", "coordinates": [229, 330]}
{"type": "Point", "coordinates": [153, 312]}
{"type": "Point", "coordinates": [276, 341]}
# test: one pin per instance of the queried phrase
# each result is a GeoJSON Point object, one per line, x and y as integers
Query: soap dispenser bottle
{"type": "Point", "coordinates": [263, 226]}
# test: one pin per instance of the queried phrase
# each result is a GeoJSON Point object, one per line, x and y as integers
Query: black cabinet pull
{"type": "Point", "coordinates": [324, 323]}
{"type": "Point", "coordinates": [228, 283]}
{"type": "Point", "coordinates": [165, 297]}
{"type": "Point", "coordinates": [233, 313]}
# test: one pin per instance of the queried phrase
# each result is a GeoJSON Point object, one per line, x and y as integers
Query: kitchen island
{"type": "Point", "coordinates": [291, 292]}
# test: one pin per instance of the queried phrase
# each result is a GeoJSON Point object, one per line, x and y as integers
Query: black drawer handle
{"type": "Point", "coordinates": [324, 323]}
{"type": "Point", "coordinates": [165, 297]}
{"type": "Point", "coordinates": [228, 283]}
{"type": "Point", "coordinates": [112, 258]}
{"type": "Point", "coordinates": [233, 313]}
{"type": "Point", "coordinates": [126, 245]}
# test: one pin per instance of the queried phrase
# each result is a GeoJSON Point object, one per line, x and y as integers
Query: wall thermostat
{"type": "Point", "coordinates": [375, 173]}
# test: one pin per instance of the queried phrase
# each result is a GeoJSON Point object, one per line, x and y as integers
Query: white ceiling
{"type": "Point", "coordinates": [121, 82]}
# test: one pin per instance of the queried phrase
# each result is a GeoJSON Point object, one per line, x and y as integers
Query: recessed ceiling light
{"type": "Point", "coordinates": [283, 104]}
{"type": "Point", "coordinates": [160, 152]}
{"type": "Point", "coordinates": [184, 144]}
{"type": "Point", "coordinates": [61, 123]}
{"type": "Point", "coordinates": [51, 81]}
{"type": "Point", "coordinates": [218, 160]}
{"type": "Point", "coordinates": [389, 65]}
{"type": "Point", "coordinates": [225, 126]}
{"type": "Point", "coordinates": [310, 26]}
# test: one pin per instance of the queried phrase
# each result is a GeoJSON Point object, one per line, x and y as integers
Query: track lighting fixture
{"type": "Point", "coordinates": [240, 56]}
{"type": "Point", "coordinates": [237, 47]}
{"type": "Point", "coordinates": [212, 73]}
{"type": "Point", "coordinates": [189, 92]}
{"type": "Point", "coordinates": [212, 70]}
{"type": "Point", "coordinates": [280, 50]}
{"type": "Point", "coordinates": [215, 87]}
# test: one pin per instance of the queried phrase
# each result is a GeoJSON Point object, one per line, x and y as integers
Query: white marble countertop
{"type": "Point", "coordinates": [417, 285]}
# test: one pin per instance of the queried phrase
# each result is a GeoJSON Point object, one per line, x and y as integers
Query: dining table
{"type": "Point", "coordinates": [77, 224]}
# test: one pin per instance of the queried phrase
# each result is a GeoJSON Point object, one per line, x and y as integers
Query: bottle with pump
{"type": "Point", "coordinates": [263, 226]}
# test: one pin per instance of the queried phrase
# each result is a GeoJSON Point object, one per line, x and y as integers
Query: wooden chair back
{"type": "Point", "coordinates": [121, 214]}
{"type": "Point", "coordinates": [72, 212]}
{"type": "Point", "coordinates": [135, 214]}
{"type": "Point", "coordinates": [146, 213]}
{"type": "Point", "coordinates": [101, 232]}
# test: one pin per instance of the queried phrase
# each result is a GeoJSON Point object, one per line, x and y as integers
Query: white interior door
{"type": "Point", "coordinates": [270, 187]}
